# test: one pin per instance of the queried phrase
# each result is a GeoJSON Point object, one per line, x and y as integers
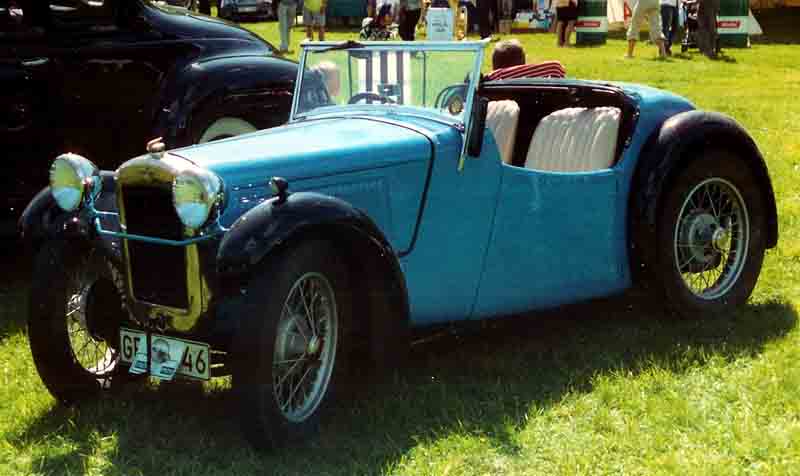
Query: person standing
{"type": "Point", "coordinates": [566, 16]}
{"type": "Point", "coordinates": [646, 9]}
{"type": "Point", "coordinates": [707, 27]}
{"type": "Point", "coordinates": [409, 16]}
{"type": "Point", "coordinates": [314, 15]}
{"type": "Point", "coordinates": [669, 22]}
{"type": "Point", "coordinates": [487, 10]}
{"type": "Point", "coordinates": [287, 12]}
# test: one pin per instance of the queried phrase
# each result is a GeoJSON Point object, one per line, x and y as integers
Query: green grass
{"type": "Point", "coordinates": [608, 387]}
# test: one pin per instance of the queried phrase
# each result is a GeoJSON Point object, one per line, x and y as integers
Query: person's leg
{"type": "Point", "coordinates": [413, 19]}
{"type": "Point", "coordinates": [308, 21]}
{"type": "Point", "coordinates": [713, 38]}
{"type": "Point", "coordinates": [666, 21]}
{"type": "Point", "coordinates": [283, 26]}
{"type": "Point", "coordinates": [633, 28]}
{"type": "Point", "coordinates": [483, 18]}
{"type": "Point", "coordinates": [568, 32]}
{"type": "Point", "coordinates": [204, 7]}
{"type": "Point", "coordinates": [673, 27]}
{"type": "Point", "coordinates": [706, 20]}
{"type": "Point", "coordinates": [656, 34]}
{"type": "Point", "coordinates": [321, 23]}
{"type": "Point", "coordinates": [560, 26]}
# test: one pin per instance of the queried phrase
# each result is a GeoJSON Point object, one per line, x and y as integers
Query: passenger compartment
{"type": "Point", "coordinates": [563, 128]}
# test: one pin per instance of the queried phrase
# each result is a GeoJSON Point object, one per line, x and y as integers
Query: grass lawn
{"type": "Point", "coordinates": [608, 387]}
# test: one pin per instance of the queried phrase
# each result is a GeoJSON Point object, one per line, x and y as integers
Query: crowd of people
{"type": "Point", "coordinates": [397, 19]}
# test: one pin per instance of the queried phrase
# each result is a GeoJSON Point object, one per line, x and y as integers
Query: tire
{"type": "Point", "coordinates": [75, 308]}
{"type": "Point", "coordinates": [711, 236]}
{"type": "Point", "coordinates": [279, 357]}
{"type": "Point", "coordinates": [223, 128]}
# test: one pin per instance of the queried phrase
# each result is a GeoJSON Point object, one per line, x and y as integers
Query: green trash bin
{"type": "Point", "coordinates": [592, 25]}
{"type": "Point", "coordinates": [732, 23]}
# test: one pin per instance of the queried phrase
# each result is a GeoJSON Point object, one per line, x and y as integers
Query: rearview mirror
{"type": "Point", "coordinates": [477, 127]}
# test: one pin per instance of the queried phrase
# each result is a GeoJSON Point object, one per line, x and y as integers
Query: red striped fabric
{"type": "Point", "coordinates": [545, 69]}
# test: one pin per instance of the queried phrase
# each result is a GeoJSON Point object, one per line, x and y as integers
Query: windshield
{"type": "Point", "coordinates": [435, 76]}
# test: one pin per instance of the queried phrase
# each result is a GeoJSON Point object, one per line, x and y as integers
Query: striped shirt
{"type": "Point", "coordinates": [545, 69]}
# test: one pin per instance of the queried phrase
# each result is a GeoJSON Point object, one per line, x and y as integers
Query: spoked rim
{"type": "Point", "coordinates": [711, 238]}
{"type": "Point", "coordinates": [305, 347]}
{"type": "Point", "coordinates": [89, 351]}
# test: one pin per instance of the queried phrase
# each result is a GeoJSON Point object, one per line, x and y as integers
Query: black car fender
{"type": "Point", "coordinates": [379, 286]}
{"type": "Point", "coordinates": [681, 139]}
{"type": "Point", "coordinates": [256, 88]}
{"type": "Point", "coordinates": [43, 219]}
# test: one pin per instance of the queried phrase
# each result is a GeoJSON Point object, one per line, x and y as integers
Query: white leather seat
{"type": "Point", "coordinates": [575, 139]}
{"type": "Point", "coordinates": [502, 118]}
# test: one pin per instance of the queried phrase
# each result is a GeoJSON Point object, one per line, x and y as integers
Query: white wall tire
{"type": "Point", "coordinates": [225, 127]}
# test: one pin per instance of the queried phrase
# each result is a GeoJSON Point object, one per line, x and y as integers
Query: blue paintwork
{"type": "Point", "coordinates": [491, 239]}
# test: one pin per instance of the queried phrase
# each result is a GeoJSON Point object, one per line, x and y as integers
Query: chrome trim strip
{"type": "Point", "coordinates": [149, 239]}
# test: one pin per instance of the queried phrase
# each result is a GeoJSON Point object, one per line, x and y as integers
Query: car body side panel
{"type": "Point", "coordinates": [553, 241]}
{"type": "Point", "coordinates": [379, 168]}
{"type": "Point", "coordinates": [443, 269]}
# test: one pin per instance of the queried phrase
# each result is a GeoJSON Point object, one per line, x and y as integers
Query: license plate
{"type": "Point", "coordinates": [247, 9]}
{"type": "Point", "coordinates": [167, 356]}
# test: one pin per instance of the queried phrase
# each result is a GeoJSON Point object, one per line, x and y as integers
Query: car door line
{"type": "Point", "coordinates": [424, 198]}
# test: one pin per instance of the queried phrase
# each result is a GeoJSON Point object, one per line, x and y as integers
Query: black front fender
{"type": "Point", "coordinates": [379, 286]}
{"type": "Point", "coordinates": [681, 139]}
{"type": "Point", "coordinates": [43, 220]}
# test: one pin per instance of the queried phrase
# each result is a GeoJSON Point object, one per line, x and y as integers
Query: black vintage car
{"type": "Point", "coordinates": [102, 77]}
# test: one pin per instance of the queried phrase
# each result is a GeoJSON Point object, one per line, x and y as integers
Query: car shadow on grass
{"type": "Point", "coordinates": [481, 378]}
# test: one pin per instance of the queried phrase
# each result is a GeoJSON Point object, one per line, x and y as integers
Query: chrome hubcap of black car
{"type": "Point", "coordinates": [305, 347]}
{"type": "Point", "coordinates": [711, 238]}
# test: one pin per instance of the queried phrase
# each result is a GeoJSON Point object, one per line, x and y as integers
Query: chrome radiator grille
{"type": "Point", "coordinates": [157, 271]}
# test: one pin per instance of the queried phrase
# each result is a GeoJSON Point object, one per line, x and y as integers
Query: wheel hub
{"type": "Point", "coordinates": [721, 239]}
{"type": "Point", "coordinates": [314, 346]}
{"type": "Point", "coordinates": [700, 231]}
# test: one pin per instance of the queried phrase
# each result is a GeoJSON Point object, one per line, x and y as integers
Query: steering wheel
{"type": "Point", "coordinates": [373, 96]}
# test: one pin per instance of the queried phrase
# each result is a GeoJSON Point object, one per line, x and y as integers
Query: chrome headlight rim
{"type": "Point", "coordinates": [198, 196]}
{"type": "Point", "coordinates": [83, 180]}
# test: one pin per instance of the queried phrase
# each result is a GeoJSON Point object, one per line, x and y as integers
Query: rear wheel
{"type": "Point", "coordinates": [75, 308]}
{"type": "Point", "coordinates": [223, 128]}
{"type": "Point", "coordinates": [711, 235]}
{"type": "Point", "coordinates": [292, 347]}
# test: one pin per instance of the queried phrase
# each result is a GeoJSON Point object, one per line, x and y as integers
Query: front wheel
{"type": "Point", "coordinates": [711, 235]}
{"type": "Point", "coordinates": [291, 349]}
{"type": "Point", "coordinates": [75, 309]}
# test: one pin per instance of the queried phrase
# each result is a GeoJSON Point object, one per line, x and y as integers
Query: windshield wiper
{"type": "Point", "coordinates": [345, 45]}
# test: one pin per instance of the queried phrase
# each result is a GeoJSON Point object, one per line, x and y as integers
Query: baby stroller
{"type": "Point", "coordinates": [690, 8]}
{"type": "Point", "coordinates": [380, 27]}
{"type": "Point", "coordinates": [690, 11]}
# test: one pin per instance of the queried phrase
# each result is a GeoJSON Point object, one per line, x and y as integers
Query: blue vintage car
{"type": "Point", "coordinates": [405, 191]}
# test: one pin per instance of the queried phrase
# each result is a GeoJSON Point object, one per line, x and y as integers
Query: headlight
{"type": "Point", "coordinates": [71, 178]}
{"type": "Point", "coordinates": [196, 193]}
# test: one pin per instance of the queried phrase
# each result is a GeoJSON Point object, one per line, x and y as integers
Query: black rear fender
{"type": "Point", "coordinates": [257, 89]}
{"type": "Point", "coordinates": [681, 139]}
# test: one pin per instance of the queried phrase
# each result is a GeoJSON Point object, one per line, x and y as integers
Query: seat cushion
{"type": "Point", "coordinates": [575, 139]}
{"type": "Point", "coordinates": [502, 118]}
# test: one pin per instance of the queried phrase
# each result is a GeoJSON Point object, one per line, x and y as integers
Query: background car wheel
{"type": "Point", "coordinates": [711, 235]}
{"type": "Point", "coordinates": [75, 309]}
{"type": "Point", "coordinates": [292, 349]}
{"type": "Point", "coordinates": [223, 128]}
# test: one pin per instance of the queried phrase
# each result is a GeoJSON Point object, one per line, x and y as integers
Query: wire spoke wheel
{"type": "Point", "coordinates": [711, 238]}
{"type": "Point", "coordinates": [89, 351]}
{"type": "Point", "coordinates": [305, 347]}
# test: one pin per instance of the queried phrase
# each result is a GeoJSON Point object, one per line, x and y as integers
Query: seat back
{"type": "Point", "coordinates": [502, 118]}
{"type": "Point", "coordinates": [575, 139]}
